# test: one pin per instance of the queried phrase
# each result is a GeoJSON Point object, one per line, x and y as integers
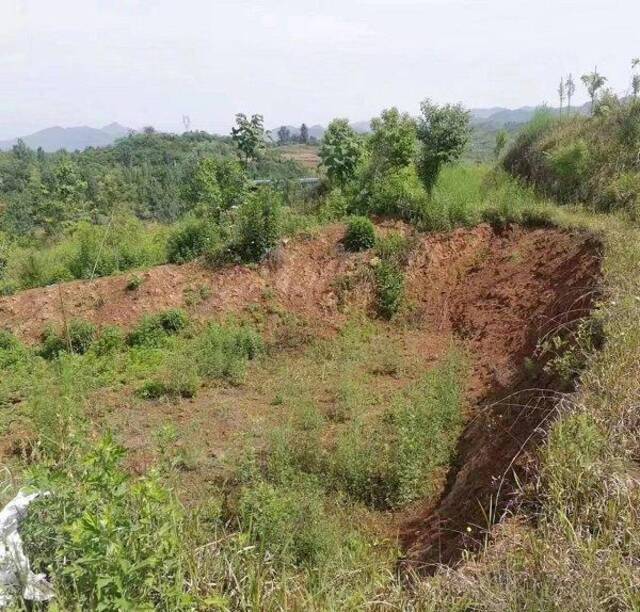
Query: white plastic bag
{"type": "Point", "coordinates": [16, 576]}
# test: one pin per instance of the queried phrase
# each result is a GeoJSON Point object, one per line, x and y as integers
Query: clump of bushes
{"type": "Point", "coordinates": [76, 338]}
{"type": "Point", "coordinates": [152, 329]}
{"type": "Point", "coordinates": [217, 352]}
{"type": "Point", "coordinates": [396, 461]}
{"type": "Point", "coordinates": [361, 234]}
{"type": "Point", "coordinates": [191, 239]}
{"type": "Point", "coordinates": [289, 522]}
{"type": "Point", "coordinates": [111, 340]}
{"type": "Point", "coordinates": [98, 250]}
{"type": "Point", "coordinates": [392, 252]}
{"type": "Point", "coordinates": [583, 159]}
{"type": "Point", "coordinates": [258, 225]}
{"type": "Point", "coordinates": [156, 389]}
{"type": "Point", "coordinates": [96, 525]}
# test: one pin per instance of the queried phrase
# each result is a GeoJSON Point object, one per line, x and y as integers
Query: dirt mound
{"type": "Point", "coordinates": [497, 291]}
{"type": "Point", "coordinates": [299, 275]}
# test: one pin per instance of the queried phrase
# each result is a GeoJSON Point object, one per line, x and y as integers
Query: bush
{"type": "Point", "coordinates": [191, 239]}
{"type": "Point", "coordinates": [361, 234]}
{"type": "Point", "coordinates": [396, 461]}
{"type": "Point", "coordinates": [156, 389]}
{"type": "Point", "coordinates": [221, 352]}
{"type": "Point", "coordinates": [134, 282]}
{"type": "Point", "coordinates": [389, 279]}
{"type": "Point", "coordinates": [110, 340]}
{"type": "Point", "coordinates": [259, 225]}
{"type": "Point", "coordinates": [395, 193]}
{"type": "Point", "coordinates": [107, 541]}
{"type": "Point", "coordinates": [288, 522]}
{"type": "Point", "coordinates": [77, 338]}
{"type": "Point", "coordinates": [104, 250]}
{"type": "Point", "coordinates": [152, 329]}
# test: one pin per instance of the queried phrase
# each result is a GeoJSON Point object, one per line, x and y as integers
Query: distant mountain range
{"type": "Point", "coordinates": [489, 118]}
{"type": "Point", "coordinates": [79, 138]}
{"type": "Point", "coordinates": [71, 138]}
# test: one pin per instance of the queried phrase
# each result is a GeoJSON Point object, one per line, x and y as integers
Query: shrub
{"type": "Point", "coordinates": [108, 541]}
{"type": "Point", "coordinates": [394, 193]}
{"type": "Point", "coordinates": [191, 239]}
{"type": "Point", "coordinates": [103, 250]}
{"type": "Point", "coordinates": [110, 340]}
{"type": "Point", "coordinates": [222, 351]}
{"type": "Point", "coordinates": [288, 522]}
{"type": "Point", "coordinates": [77, 338]}
{"type": "Point", "coordinates": [152, 329]}
{"type": "Point", "coordinates": [259, 225]}
{"type": "Point", "coordinates": [389, 279]}
{"type": "Point", "coordinates": [361, 234]}
{"type": "Point", "coordinates": [134, 282]}
{"type": "Point", "coordinates": [394, 247]}
{"type": "Point", "coordinates": [396, 460]}
{"type": "Point", "coordinates": [174, 387]}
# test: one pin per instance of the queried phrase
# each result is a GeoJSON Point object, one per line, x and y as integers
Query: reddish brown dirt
{"type": "Point", "coordinates": [498, 291]}
{"type": "Point", "coordinates": [527, 284]}
{"type": "Point", "coordinates": [300, 277]}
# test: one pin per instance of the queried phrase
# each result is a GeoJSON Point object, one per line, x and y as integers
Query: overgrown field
{"type": "Point", "coordinates": [280, 436]}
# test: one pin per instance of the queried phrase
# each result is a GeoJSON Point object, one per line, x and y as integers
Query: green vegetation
{"type": "Point", "coordinates": [590, 160]}
{"type": "Point", "coordinates": [361, 234]}
{"type": "Point", "coordinates": [324, 442]}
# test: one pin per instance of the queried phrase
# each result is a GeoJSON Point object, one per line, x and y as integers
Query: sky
{"type": "Point", "coordinates": [149, 62]}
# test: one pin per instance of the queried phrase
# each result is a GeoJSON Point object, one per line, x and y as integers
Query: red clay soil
{"type": "Point", "coordinates": [527, 284]}
{"type": "Point", "coordinates": [300, 276]}
{"type": "Point", "coordinates": [498, 291]}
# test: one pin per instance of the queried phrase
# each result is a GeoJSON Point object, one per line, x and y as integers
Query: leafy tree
{"type": "Point", "coordinates": [635, 78]}
{"type": "Point", "coordinates": [202, 186]}
{"type": "Point", "coordinates": [340, 152]}
{"type": "Point", "coordinates": [248, 136]}
{"type": "Point", "coordinates": [284, 135]}
{"type": "Point", "coordinates": [594, 82]}
{"type": "Point", "coordinates": [501, 142]}
{"type": "Point", "coordinates": [561, 93]}
{"type": "Point", "coordinates": [304, 134]}
{"type": "Point", "coordinates": [216, 183]}
{"type": "Point", "coordinates": [443, 133]}
{"type": "Point", "coordinates": [570, 87]}
{"type": "Point", "coordinates": [393, 141]}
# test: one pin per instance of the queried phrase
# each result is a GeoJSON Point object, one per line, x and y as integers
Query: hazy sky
{"type": "Point", "coordinates": [148, 62]}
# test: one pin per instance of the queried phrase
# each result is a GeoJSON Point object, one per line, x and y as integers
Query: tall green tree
{"type": "Point", "coordinates": [340, 152]}
{"type": "Point", "coordinates": [304, 134]}
{"type": "Point", "coordinates": [570, 87]}
{"type": "Point", "coordinates": [594, 82]}
{"type": "Point", "coordinates": [393, 142]}
{"type": "Point", "coordinates": [284, 135]}
{"type": "Point", "coordinates": [443, 133]}
{"type": "Point", "coordinates": [561, 93]}
{"type": "Point", "coordinates": [248, 136]}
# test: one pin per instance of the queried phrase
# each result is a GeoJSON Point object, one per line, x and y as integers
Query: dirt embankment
{"type": "Point", "coordinates": [522, 286]}
{"type": "Point", "coordinates": [497, 291]}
